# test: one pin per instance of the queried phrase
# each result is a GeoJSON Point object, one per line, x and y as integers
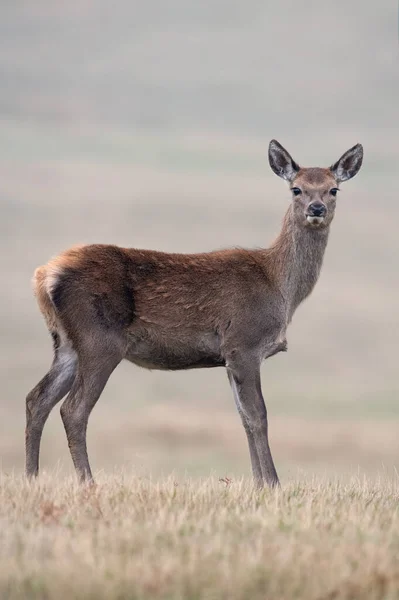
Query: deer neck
{"type": "Point", "coordinates": [297, 257]}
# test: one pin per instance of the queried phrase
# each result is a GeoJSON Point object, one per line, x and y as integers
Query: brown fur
{"type": "Point", "coordinates": [231, 308]}
{"type": "Point", "coordinates": [315, 177]}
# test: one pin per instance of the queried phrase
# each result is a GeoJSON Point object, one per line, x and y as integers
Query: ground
{"type": "Point", "coordinates": [134, 537]}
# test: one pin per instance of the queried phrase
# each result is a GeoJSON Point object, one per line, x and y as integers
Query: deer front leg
{"type": "Point", "coordinates": [255, 462]}
{"type": "Point", "coordinates": [246, 379]}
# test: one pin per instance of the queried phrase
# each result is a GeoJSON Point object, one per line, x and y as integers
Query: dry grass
{"type": "Point", "coordinates": [131, 537]}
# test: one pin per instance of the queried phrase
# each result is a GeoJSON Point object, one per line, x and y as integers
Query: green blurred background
{"type": "Point", "coordinates": [146, 124]}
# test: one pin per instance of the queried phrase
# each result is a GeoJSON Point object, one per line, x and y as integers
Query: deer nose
{"type": "Point", "coordinates": [317, 209]}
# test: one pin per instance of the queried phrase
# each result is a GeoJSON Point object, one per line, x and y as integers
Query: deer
{"type": "Point", "coordinates": [227, 308]}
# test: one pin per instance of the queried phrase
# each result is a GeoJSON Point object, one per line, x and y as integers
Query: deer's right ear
{"type": "Point", "coordinates": [282, 162]}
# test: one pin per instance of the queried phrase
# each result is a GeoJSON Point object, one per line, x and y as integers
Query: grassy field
{"type": "Point", "coordinates": [136, 538]}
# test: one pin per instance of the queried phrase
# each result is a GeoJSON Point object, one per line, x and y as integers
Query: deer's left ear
{"type": "Point", "coordinates": [349, 164]}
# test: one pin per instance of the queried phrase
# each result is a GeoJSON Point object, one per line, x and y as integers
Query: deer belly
{"type": "Point", "coordinates": [193, 352]}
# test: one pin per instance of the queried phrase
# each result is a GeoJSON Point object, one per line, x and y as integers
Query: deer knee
{"type": "Point", "coordinates": [74, 417]}
{"type": "Point", "coordinates": [257, 423]}
{"type": "Point", "coordinates": [66, 413]}
{"type": "Point", "coordinates": [255, 417]}
{"type": "Point", "coordinates": [30, 403]}
{"type": "Point", "coordinates": [36, 410]}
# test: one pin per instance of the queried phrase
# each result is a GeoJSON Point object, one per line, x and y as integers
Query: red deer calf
{"type": "Point", "coordinates": [229, 308]}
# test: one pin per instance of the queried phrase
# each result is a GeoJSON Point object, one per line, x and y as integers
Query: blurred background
{"type": "Point", "coordinates": [147, 124]}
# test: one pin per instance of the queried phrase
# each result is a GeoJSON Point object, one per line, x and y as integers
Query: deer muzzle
{"type": "Point", "coordinates": [316, 213]}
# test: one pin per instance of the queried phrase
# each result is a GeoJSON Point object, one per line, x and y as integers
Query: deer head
{"type": "Point", "coordinates": [314, 190]}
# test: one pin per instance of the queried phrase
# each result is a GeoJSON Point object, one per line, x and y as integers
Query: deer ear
{"type": "Point", "coordinates": [349, 164]}
{"type": "Point", "coordinates": [281, 161]}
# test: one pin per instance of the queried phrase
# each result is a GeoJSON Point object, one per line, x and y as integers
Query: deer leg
{"type": "Point", "coordinates": [246, 378]}
{"type": "Point", "coordinates": [90, 381]}
{"type": "Point", "coordinates": [255, 462]}
{"type": "Point", "coordinates": [44, 396]}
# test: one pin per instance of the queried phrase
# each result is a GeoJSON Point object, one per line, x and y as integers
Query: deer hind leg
{"type": "Point", "coordinates": [246, 376]}
{"type": "Point", "coordinates": [255, 462]}
{"type": "Point", "coordinates": [95, 368]}
{"type": "Point", "coordinates": [44, 396]}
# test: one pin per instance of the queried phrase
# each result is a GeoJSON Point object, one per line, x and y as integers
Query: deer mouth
{"type": "Point", "coordinates": [316, 221]}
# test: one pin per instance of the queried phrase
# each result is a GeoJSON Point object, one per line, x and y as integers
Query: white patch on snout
{"type": "Point", "coordinates": [314, 220]}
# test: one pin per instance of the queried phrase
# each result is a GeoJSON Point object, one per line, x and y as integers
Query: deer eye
{"type": "Point", "coordinates": [334, 191]}
{"type": "Point", "coordinates": [296, 191]}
